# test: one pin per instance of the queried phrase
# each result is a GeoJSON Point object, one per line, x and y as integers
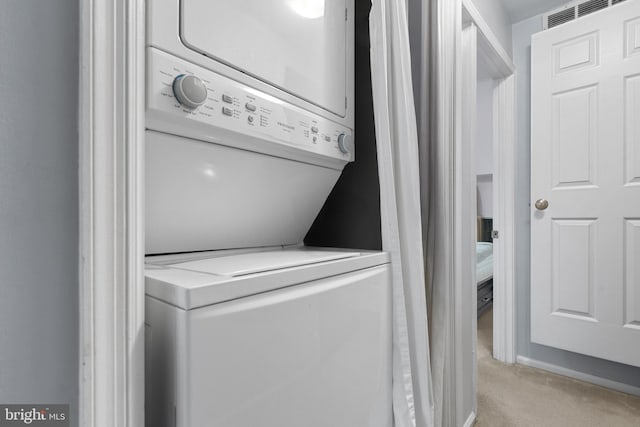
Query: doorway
{"type": "Point", "coordinates": [487, 81]}
{"type": "Point", "coordinates": [496, 179]}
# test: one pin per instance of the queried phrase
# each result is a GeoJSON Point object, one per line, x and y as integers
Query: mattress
{"type": "Point", "coordinates": [484, 259]}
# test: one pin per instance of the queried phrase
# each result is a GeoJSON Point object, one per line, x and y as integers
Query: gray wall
{"type": "Point", "coordinates": [39, 202]}
{"type": "Point", "coordinates": [484, 141]}
{"type": "Point", "coordinates": [497, 17]}
{"type": "Point", "coordinates": [484, 127]}
{"type": "Point", "coordinates": [522, 32]}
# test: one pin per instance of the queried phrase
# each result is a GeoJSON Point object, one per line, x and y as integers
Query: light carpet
{"type": "Point", "coordinates": [520, 396]}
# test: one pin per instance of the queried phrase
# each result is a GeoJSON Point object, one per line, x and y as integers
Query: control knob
{"type": "Point", "coordinates": [189, 90]}
{"type": "Point", "coordinates": [345, 143]}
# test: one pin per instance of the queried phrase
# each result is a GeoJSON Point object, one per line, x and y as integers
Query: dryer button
{"type": "Point", "coordinates": [227, 98]}
{"type": "Point", "coordinates": [227, 111]}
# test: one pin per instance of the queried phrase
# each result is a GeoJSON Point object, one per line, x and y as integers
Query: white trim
{"type": "Point", "coordinates": [602, 382]}
{"type": "Point", "coordinates": [453, 12]}
{"type": "Point", "coordinates": [466, 181]}
{"type": "Point", "coordinates": [504, 160]}
{"type": "Point", "coordinates": [471, 420]}
{"type": "Point", "coordinates": [448, 122]}
{"type": "Point", "coordinates": [497, 54]}
{"type": "Point", "coordinates": [111, 121]}
{"type": "Point", "coordinates": [135, 192]}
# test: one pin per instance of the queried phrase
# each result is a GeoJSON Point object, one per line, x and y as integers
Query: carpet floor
{"type": "Point", "coordinates": [520, 396]}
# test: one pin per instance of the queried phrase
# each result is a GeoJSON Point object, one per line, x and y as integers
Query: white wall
{"type": "Point", "coordinates": [485, 195]}
{"type": "Point", "coordinates": [522, 32]}
{"type": "Point", "coordinates": [39, 202]}
{"type": "Point", "coordinates": [484, 127]}
{"type": "Point", "coordinates": [484, 145]}
{"type": "Point", "coordinates": [494, 12]}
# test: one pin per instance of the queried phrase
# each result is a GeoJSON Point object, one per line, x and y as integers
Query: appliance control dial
{"type": "Point", "coordinates": [189, 90]}
{"type": "Point", "coordinates": [344, 143]}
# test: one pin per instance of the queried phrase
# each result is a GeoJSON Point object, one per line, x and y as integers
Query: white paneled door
{"type": "Point", "coordinates": [585, 185]}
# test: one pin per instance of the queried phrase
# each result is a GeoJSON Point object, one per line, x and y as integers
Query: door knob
{"type": "Point", "coordinates": [542, 204]}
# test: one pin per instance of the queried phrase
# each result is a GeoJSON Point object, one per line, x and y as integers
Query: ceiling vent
{"type": "Point", "coordinates": [555, 19]}
{"type": "Point", "coordinates": [574, 10]}
{"type": "Point", "coordinates": [592, 6]}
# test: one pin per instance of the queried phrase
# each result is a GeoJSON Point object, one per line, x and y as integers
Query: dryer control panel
{"type": "Point", "coordinates": [188, 100]}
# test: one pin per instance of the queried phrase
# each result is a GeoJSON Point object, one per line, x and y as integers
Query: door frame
{"type": "Point", "coordinates": [465, 182]}
{"type": "Point", "coordinates": [504, 117]}
{"type": "Point", "coordinates": [111, 272]}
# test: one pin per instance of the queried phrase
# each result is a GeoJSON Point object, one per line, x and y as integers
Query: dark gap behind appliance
{"type": "Point", "coordinates": [350, 218]}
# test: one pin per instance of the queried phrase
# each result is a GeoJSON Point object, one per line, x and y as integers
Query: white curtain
{"type": "Point", "coordinates": [397, 145]}
{"type": "Point", "coordinates": [435, 25]}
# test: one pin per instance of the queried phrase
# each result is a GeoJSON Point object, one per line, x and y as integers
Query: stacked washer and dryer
{"type": "Point", "coordinates": [249, 113]}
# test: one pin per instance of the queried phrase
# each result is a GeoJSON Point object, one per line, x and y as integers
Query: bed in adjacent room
{"type": "Point", "coordinates": [484, 266]}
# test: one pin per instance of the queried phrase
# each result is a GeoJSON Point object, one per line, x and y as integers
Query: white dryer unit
{"type": "Point", "coordinates": [281, 338]}
{"type": "Point", "coordinates": [300, 51]}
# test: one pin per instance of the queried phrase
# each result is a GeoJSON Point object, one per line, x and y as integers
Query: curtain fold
{"type": "Point", "coordinates": [401, 221]}
{"type": "Point", "coordinates": [435, 47]}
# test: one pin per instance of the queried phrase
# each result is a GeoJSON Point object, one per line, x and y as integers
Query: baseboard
{"type": "Point", "coordinates": [603, 382]}
{"type": "Point", "coordinates": [471, 420]}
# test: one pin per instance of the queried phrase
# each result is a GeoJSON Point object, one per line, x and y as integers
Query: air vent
{"type": "Point", "coordinates": [574, 10]}
{"type": "Point", "coordinates": [592, 6]}
{"type": "Point", "coordinates": [561, 17]}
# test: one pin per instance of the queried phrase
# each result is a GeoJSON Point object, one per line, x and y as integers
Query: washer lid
{"type": "Point", "coordinates": [212, 280]}
{"type": "Point", "coordinates": [258, 262]}
{"type": "Point", "coordinates": [298, 46]}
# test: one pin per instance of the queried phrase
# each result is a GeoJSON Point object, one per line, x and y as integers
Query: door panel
{"type": "Point", "coordinates": [585, 161]}
{"type": "Point", "coordinates": [572, 266]}
{"type": "Point", "coordinates": [632, 273]}
{"type": "Point", "coordinates": [632, 39]}
{"type": "Point", "coordinates": [577, 53]}
{"type": "Point", "coordinates": [632, 128]}
{"type": "Point", "coordinates": [574, 118]}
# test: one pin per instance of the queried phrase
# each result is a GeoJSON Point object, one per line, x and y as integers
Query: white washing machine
{"type": "Point", "coordinates": [281, 338]}
{"type": "Point", "coordinates": [249, 113]}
